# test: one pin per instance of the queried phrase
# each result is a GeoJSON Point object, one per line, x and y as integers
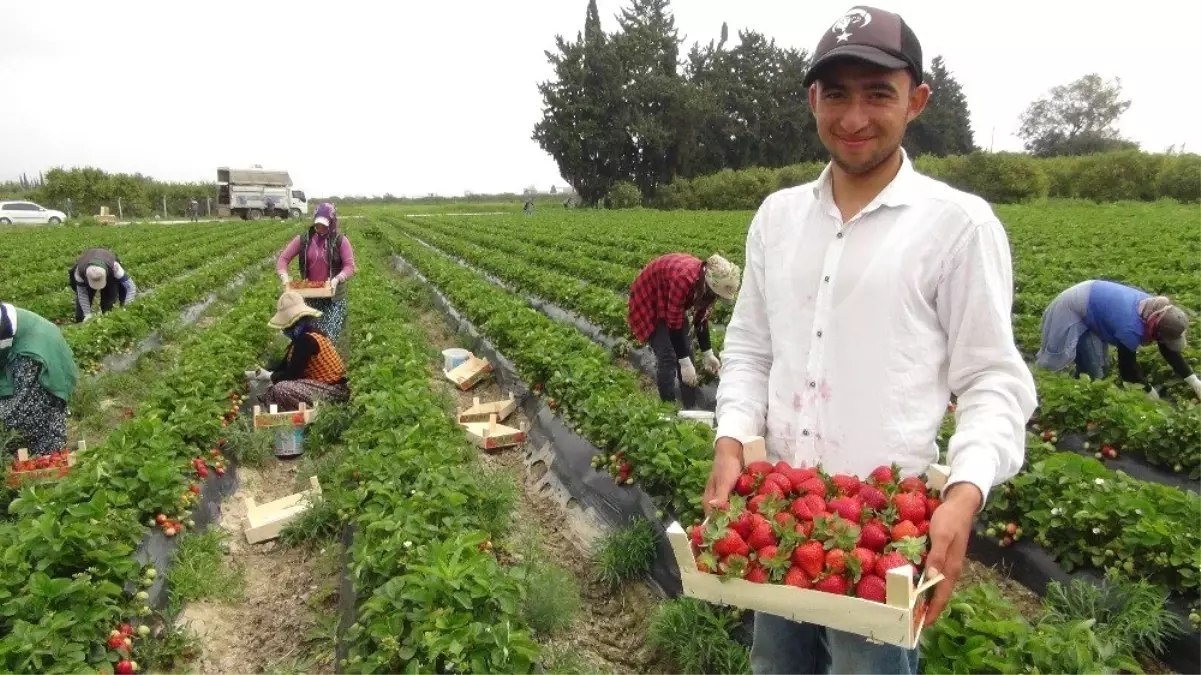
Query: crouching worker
{"type": "Point", "coordinates": [37, 377]}
{"type": "Point", "coordinates": [99, 271]}
{"type": "Point", "coordinates": [311, 369]}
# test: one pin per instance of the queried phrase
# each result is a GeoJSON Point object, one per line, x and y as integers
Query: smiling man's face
{"type": "Point", "coordinates": [862, 112]}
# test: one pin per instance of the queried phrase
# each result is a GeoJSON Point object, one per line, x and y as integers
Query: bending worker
{"type": "Point", "coordinates": [661, 296]}
{"type": "Point", "coordinates": [98, 270]}
{"type": "Point", "coordinates": [1081, 323]}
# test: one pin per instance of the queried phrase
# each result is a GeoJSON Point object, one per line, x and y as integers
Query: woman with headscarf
{"type": "Point", "coordinates": [324, 254]}
{"type": "Point", "coordinates": [311, 369]}
{"type": "Point", "coordinates": [38, 377]}
{"type": "Point", "coordinates": [1081, 323]}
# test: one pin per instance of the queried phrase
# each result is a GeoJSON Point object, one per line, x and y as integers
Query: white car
{"type": "Point", "coordinates": [28, 213]}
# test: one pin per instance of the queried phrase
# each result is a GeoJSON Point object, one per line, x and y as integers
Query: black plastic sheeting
{"type": "Point", "coordinates": [1133, 466]}
{"type": "Point", "coordinates": [642, 358]}
{"type": "Point", "coordinates": [157, 549]}
{"type": "Point", "coordinates": [569, 456]}
{"type": "Point", "coordinates": [1032, 566]}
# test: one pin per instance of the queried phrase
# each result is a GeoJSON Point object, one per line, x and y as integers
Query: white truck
{"type": "Point", "coordinates": [254, 193]}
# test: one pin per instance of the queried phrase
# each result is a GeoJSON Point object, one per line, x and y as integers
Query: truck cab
{"type": "Point", "coordinates": [256, 192]}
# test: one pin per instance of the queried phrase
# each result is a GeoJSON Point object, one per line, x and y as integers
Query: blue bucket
{"type": "Point", "coordinates": [289, 442]}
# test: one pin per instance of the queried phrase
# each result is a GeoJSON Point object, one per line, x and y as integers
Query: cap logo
{"type": "Point", "coordinates": [854, 18]}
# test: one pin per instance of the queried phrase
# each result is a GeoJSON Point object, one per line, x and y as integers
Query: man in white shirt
{"type": "Point", "coordinates": [870, 296]}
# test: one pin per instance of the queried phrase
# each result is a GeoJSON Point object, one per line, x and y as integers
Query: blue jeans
{"type": "Point", "coordinates": [1092, 356]}
{"type": "Point", "coordinates": [783, 646]}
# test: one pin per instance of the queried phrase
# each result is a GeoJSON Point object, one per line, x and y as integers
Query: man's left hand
{"type": "Point", "coordinates": [950, 529]}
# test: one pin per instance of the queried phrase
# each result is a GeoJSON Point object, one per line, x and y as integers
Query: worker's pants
{"type": "Point", "coordinates": [1092, 356]}
{"type": "Point", "coordinates": [667, 369]}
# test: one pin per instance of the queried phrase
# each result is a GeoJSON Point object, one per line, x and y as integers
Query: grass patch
{"type": "Point", "coordinates": [626, 553]}
{"type": "Point", "coordinates": [696, 637]}
{"type": "Point", "coordinates": [565, 660]}
{"type": "Point", "coordinates": [500, 489]}
{"type": "Point", "coordinates": [552, 597]}
{"type": "Point", "coordinates": [199, 571]}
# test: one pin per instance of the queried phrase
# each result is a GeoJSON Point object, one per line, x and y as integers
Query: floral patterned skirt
{"type": "Point", "coordinates": [333, 315]}
{"type": "Point", "coordinates": [37, 415]}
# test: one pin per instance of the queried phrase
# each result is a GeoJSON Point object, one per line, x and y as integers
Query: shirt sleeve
{"type": "Point", "coordinates": [84, 295]}
{"type": "Point", "coordinates": [1176, 360]}
{"type": "Point", "coordinates": [1128, 368]}
{"type": "Point", "coordinates": [131, 289]}
{"type": "Point", "coordinates": [348, 266]}
{"type": "Point", "coordinates": [286, 255]}
{"type": "Point", "coordinates": [985, 371]}
{"type": "Point", "coordinates": [747, 359]}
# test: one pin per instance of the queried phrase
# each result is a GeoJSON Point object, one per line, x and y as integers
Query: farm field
{"type": "Point", "coordinates": [427, 554]}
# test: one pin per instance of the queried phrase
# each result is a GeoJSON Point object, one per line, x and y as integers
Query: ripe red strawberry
{"type": "Point", "coordinates": [910, 506]}
{"type": "Point", "coordinates": [835, 583]}
{"type": "Point", "coordinates": [797, 476]}
{"type": "Point", "coordinates": [904, 529]}
{"type": "Point", "coordinates": [848, 508]}
{"type": "Point", "coordinates": [815, 486]}
{"type": "Point", "coordinates": [884, 475]}
{"type": "Point", "coordinates": [775, 484]}
{"type": "Point", "coordinates": [797, 577]}
{"type": "Point", "coordinates": [873, 497]}
{"type": "Point", "coordinates": [889, 561]}
{"type": "Point", "coordinates": [923, 528]}
{"type": "Point", "coordinates": [756, 574]}
{"type": "Point", "coordinates": [836, 560]}
{"type": "Point", "coordinates": [759, 468]}
{"type": "Point", "coordinates": [805, 528]}
{"type": "Point", "coordinates": [866, 557]}
{"type": "Point", "coordinates": [931, 504]}
{"type": "Point", "coordinates": [731, 545]}
{"type": "Point", "coordinates": [761, 536]}
{"type": "Point", "coordinates": [810, 557]}
{"type": "Point", "coordinates": [116, 642]}
{"type": "Point", "coordinates": [744, 525]}
{"type": "Point", "coordinates": [871, 587]}
{"type": "Point", "coordinates": [745, 485]}
{"type": "Point", "coordinates": [845, 484]}
{"type": "Point", "coordinates": [125, 629]}
{"type": "Point", "coordinates": [782, 467]}
{"type": "Point", "coordinates": [873, 536]}
{"type": "Point", "coordinates": [785, 521]}
{"type": "Point", "coordinates": [913, 484]}
{"type": "Point", "coordinates": [125, 667]}
{"type": "Point", "coordinates": [801, 509]}
{"type": "Point", "coordinates": [697, 533]}
{"type": "Point", "coordinates": [756, 501]}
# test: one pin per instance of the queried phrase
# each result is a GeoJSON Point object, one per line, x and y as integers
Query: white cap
{"type": "Point", "coordinates": [97, 277]}
{"type": "Point", "coordinates": [321, 220]}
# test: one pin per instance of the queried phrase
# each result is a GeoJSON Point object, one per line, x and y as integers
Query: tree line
{"type": "Point", "coordinates": [627, 107]}
{"type": "Point", "coordinates": [83, 190]}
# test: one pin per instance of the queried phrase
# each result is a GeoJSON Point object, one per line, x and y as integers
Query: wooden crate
{"type": "Point", "coordinates": [15, 477]}
{"type": "Point", "coordinates": [492, 435]}
{"type": "Point", "coordinates": [897, 621]}
{"type": "Point", "coordinates": [265, 521]}
{"type": "Point", "coordinates": [480, 412]}
{"type": "Point", "coordinates": [469, 373]}
{"type": "Point", "coordinates": [290, 418]}
{"type": "Point", "coordinates": [325, 290]}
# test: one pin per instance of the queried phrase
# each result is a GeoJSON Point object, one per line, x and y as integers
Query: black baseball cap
{"type": "Point", "coordinates": [872, 35]}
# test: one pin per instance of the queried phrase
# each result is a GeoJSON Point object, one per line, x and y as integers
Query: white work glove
{"type": "Point", "coordinates": [284, 278]}
{"type": "Point", "coordinates": [687, 372]}
{"type": "Point", "coordinates": [712, 363]}
{"type": "Point", "coordinates": [333, 284]}
{"type": "Point", "coordinates": [88, 317]}
{"type": "Point", "coordinates": [262, 374]}
{"type": "Point", "coordinates": [1152, 394]}
{"type": "Point", "coordinates": [1195, 383]}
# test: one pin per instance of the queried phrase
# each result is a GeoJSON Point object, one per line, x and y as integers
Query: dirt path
{"type": "Point", "coordinates": [268, 630]}
{"type": "Point", "coordinates": [609, 631]}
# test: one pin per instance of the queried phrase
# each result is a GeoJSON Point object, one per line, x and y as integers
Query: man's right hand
{"type": "Point", "coordinates": [727, 465]}
{"type": "Point", "coordinates": [688, 371]}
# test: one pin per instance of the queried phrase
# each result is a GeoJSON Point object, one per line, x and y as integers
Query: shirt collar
{"type": "Point", "coordinates": [899, 192]}
{"type": "Point", "coordinates": [8, 325]}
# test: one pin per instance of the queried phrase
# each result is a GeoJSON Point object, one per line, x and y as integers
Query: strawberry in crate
{"type": "Point", "coordinates": [802, 527]}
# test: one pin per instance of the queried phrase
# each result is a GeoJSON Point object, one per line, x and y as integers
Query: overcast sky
{"type": "Point", "coordinates": [415, 97]}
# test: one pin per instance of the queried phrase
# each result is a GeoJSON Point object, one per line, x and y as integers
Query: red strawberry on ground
{"type": "Point", "coordinates": [810, 557]}
{"type": "Point", "coordinates": [797, 577]}
{"type": "Point", "coordinates": [873, 497]}
{"type": "Point", "coordinates": [904, 529]}
{"type": "Point", "coordinates": [873, 536]}
{"type": "Point", "coordinates": [116, 642]}
{"type": "Point", "coordinates": [871, 587]}
{"type": "Point", "coordinates": [910, 506]}
{"type": "Point", "coordinates": [848, 508]}
{"type": "Point", "coordinates": [884, 475]}
{"type": "Point", "coordinates": [745, 485]}
{"type": "Point", "coordinates": [834, 583]}
{"type": "Point", "coordinates": [759, 468]}
{"type": "Point", "coordinates": [845, 484]}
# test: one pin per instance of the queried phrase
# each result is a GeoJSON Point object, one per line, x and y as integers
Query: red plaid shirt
{"type": "Point", "coordinates": [663, 291]}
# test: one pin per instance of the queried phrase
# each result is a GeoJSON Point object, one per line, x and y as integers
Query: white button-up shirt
{"type": "Point", "coordinates": [847, 339]}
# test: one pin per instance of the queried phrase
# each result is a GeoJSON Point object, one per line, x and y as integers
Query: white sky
{"type": "Point", "coordinates": [415, 97]}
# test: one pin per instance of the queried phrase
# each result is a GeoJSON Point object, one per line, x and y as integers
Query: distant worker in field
{"type": "Point", "coordinates": [529, 207]}
{"type": "Point", "coordinates": [194, 210]}
{"type": "Point", "coordinates": [662, 295]}
{"type": "Point", "coordinates": [311, 369]}
{"type": "Point", "coordinates": [99, 271]}
{"type": "Point", "coordinates": [37, 377]}
{"type": "Point", "coordinates": [1082, 322]}
{"type": "Point", "coordinates": [324, 254]}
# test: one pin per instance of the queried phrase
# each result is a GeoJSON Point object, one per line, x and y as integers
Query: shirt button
{"type": "Point", "coordinates": [840, 235]}
{"type": "Point", "coordinates": [827, 279]}
{"type": "Point", "coordinates": [812, 384]}
{"type": "Point", "coordinates": [819, 333]}
{"type": "Point", "coordinates": [805, 432]}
